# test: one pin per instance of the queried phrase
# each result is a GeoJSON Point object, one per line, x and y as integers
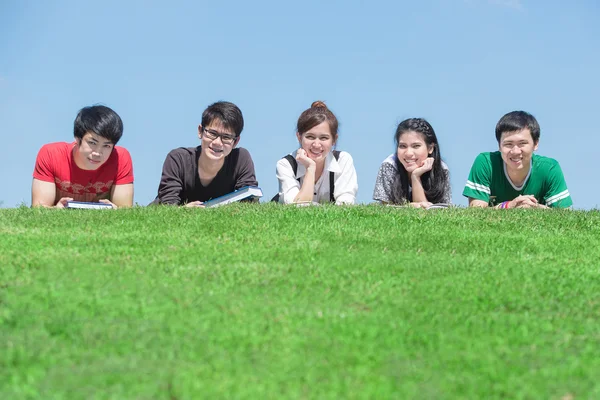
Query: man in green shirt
{"type": "Point", "coordinates": [514, 177]}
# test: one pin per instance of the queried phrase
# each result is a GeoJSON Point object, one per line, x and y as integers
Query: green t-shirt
{"type": "Point", "coordinates": [488, 181]}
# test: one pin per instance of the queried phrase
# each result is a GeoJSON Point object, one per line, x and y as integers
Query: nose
{"type": "Point", "coordinates": [515, 150]}
{"type": "Point", "coordinates": [219, 138]}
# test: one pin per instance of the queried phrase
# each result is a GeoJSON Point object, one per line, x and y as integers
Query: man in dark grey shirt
{"type": "Point", "coordinates": [193, 175]}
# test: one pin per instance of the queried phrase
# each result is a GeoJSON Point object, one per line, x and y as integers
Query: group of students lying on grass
{"type": "Point", "coordinates": [94, 169]}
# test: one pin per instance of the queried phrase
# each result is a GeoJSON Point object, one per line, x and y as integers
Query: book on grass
{"type": "Point", "coordinates": [431, 207]}
{"type": "Point", "coordinates": [247, 192]}
{"type": "Point", "coordinates": [438, 205]}
{"type": "Point", "coordinates": [88, 205]}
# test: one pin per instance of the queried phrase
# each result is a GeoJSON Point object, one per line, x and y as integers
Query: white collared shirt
{"type": "Point", "coordinates": [344, 173]}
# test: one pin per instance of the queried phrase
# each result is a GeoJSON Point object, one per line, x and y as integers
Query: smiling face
{"type": "Point", "coordinates": [517, 148]}
{"type": "Point", "coordinates": [412, 150]}
{"type": "Point", "coordinates": [215, 149]}
{"type": "Point", "coordinates": [317, 142]}
{"type": "Point", "coordinates": [92, 151]}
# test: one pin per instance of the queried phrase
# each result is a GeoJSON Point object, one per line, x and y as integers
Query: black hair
{"type": "Point", "coordinates": [516, 121]}
{"type": "Point", "coordinates": [433, 181]}
{"type": "Point", "coordinates": [100, 120]}
{"type": "Point", "coordinates": [227, 113]}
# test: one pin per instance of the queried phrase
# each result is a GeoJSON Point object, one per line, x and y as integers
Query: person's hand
{"type": "Point", "coordinates": [426, 166]}
{"type": "Point", "coordinates": [62, 203]}
{"type": "Point", "coordinates": [303, 159]}
{"type": "Point", "coordinates": [421, 204]}
{"type": "Point", "coordinates": [106, 201]}
{"type": "Point", "coordinates": [195, 204]}
{"type": "Point", "coordinates": [524, 201]}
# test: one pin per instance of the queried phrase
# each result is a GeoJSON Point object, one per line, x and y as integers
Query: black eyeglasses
{"type": "Point", "coordinates": [213, 135]}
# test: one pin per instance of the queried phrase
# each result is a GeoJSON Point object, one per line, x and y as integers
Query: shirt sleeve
{"type": "Point", "coordinates": [171, 180]}
{"type": "Point", "coordinates": [44, 170]}
{"type": "Point", "coordinates": [558, 195]}
{"type": "Point", "coordinates": [246, 175]}
{"type": "Point", "coordinates": [124, 168]}
{"type": "Point", "coordinates": [384, 183]}
{"type": "Point", "coordinates": [346, 182]}
{"type": "Point", "coordinates": [479, 182]}
{"type": "Point", "coordinates": [289, 187]}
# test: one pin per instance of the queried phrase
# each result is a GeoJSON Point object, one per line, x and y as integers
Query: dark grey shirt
{"type": "Point", "coordinates": [180, 182]}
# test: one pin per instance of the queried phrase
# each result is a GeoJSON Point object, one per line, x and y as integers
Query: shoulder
{"type": "Point", "coordinates": [546, 167]}
{"type": "Point", "coordinates": [122, 152]}
{"type": "Point", "coordinates": [241, 153]}
{"type": "Point", "coordinates": [389, 164]}
{"type": "Point", "coordinates": [183, 152]}
{"type": "Point", "coordinates": [543, 161]}
{"type": "Point", "coordinates": [344, 156]}
{"type": "Point", "coordinates": [55, 148]}
{"type": "Point", "coordinates": [488, 159]}
{"type": "Point", "coordinates": [283, 161]}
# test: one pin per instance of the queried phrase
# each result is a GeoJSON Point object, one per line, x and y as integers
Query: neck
{"type": "Point", "coordinates": [209, 167]}
{"type": "Point", "coordinates": [319, 170]}
{"type": "Point", "coordinates": [518, 176]}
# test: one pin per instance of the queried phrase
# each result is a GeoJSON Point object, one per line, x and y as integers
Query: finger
{"type": "Point", "coordinates": [532, 198]}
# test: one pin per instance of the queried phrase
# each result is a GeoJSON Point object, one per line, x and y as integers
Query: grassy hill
{"type": "Point", "coordinates": [265, 301]}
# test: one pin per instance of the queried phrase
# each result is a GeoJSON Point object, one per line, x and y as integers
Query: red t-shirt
{"type": "Point", "coordinates": [55, 164]}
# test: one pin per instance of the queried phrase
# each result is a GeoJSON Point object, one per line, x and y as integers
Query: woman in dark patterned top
{"type": "Point", "coordinates": [416, 174]}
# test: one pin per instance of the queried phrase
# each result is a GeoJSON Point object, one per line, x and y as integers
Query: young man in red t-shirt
{"type": "Point", "coordinates": [91, 169]}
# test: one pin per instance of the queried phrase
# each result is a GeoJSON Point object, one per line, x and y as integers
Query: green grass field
{"type": "Point", "coordinates": [271, 302]}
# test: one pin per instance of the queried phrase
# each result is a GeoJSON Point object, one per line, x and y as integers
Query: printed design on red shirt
{"type": "Point", "coordinates": [76, 188]}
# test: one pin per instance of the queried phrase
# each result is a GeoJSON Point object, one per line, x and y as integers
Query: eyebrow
{"type": "Point", "coordinates": [221, 133]}
{"type": "Point", "coordinates": [96, 140]}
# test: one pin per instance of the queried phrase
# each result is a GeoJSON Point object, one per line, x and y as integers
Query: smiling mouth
{"type": "Point", "coordinates": [216, 150]}
{"type": "Point", "coordinates": [314, 153]}
{"type": "Point", "coordinates": [94, 161]}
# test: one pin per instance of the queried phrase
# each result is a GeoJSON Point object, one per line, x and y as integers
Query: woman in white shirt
{"type": "Point", "coordinates": [315, 173]}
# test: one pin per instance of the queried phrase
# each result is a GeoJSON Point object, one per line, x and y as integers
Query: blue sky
{"type": "Point", "coordinates": [461, 64]}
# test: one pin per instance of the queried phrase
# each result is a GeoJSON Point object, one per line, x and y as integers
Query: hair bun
{"type": "Point", "coordinates": [318, 104]}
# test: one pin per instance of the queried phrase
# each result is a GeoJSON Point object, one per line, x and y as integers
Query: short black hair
{"type": "Point", "coordinates": [227, 113]}
{"type": "Point", "coordinates": [516, 121]}
{"type": "Point", "coordinates": [100, 120]}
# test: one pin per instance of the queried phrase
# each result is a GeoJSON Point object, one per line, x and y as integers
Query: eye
{"type": "Point", "coordinates": [107, 146]}
{"type": "Point", "coordinates": [310, 137]}
{"type": "Point", "coordinates": [401, 146]}
{"type": "Point", "coordinates": [416, 145]}
{"type": "Point", "coordinates": [324, 138]}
